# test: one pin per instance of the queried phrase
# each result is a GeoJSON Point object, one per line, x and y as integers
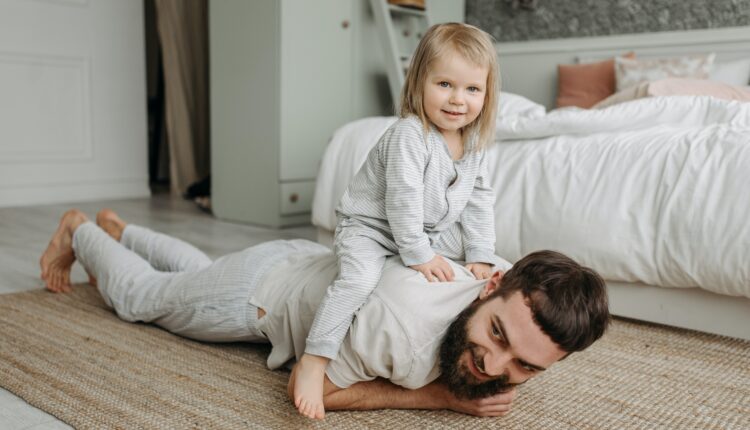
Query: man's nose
{"type": "Point", "coordinates": [497, 363]}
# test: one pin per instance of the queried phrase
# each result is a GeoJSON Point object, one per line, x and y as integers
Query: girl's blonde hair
{"type": "Point", "coordinates": [476, 47]}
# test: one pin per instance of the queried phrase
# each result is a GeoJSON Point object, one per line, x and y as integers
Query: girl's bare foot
{"type": "Point", "coordinates": [110, 222]}
{"type": "Point", "coordinates": [308, 386]}
{"type": "Point", "coordinates": [92, 279]}
{"type": "Point", "coordinates": [58, 258]}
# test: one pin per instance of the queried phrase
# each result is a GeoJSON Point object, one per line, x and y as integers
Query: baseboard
{"type": "Point", "coordinates": [107, 189]}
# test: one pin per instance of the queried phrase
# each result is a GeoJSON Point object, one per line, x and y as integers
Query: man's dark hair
{"type": "Point", "coordinates": [568, 301]}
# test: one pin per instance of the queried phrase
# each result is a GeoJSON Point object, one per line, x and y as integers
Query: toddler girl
{"type": "Point", "coordinates": [422, 193]}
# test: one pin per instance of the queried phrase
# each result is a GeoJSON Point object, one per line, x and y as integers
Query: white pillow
{"type": "Point", "coordinates": [513, 105]}
{"type": "Point", "coordinates": [732, 73]}
{"type": "Point", "coordinates": [629, 72]}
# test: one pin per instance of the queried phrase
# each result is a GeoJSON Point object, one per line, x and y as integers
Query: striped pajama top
{"type": "Point", "coordinates": [411, 188]}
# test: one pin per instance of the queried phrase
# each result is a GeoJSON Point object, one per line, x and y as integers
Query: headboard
{"type": "Point", "coordinates": [530, 68]}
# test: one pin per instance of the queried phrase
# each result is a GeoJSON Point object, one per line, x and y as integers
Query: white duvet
{"type": "Point", "coordinates": [656, 190]}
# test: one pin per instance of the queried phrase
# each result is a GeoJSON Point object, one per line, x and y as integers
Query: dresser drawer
{"type": "Point", "coordinates": [296, 197]}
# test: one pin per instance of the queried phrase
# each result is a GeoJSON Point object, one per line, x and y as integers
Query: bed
{"type": "Point", "coordinates": [653, 193]}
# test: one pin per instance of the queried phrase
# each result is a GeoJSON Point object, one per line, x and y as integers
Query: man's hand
{"type": "Point", "coordinates": [494, 406]}
{"type": "Point", "coordinates": [480, 270]}
{"type": "Point", "coordinates": [438, 267]}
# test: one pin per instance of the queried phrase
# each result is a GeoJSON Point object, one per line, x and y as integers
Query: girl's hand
{"type": "Point", "coordinates": [480, 270]}
{"type": "Point", "coordinates": [438, 267]}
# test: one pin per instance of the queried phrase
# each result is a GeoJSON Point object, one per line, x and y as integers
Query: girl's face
{"type": "Point", "coordinates": [454, 93]}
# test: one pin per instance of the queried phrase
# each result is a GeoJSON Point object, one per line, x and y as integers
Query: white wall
{"type": "Point", "coordinates": [72, 101]}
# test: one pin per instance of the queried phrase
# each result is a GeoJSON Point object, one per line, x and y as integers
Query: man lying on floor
{"type": "Point", "coordinates": [461, 345]}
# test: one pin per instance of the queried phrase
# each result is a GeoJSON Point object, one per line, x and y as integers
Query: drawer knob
{"type": "Point", "coordinates": [345, 24]}
{"type": "Point", "coordinates": [293, 197]}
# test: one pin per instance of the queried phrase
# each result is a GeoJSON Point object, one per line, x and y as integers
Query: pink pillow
{"type": "Point", "coordinates": [629, 72]}
{"type": "Point", "coordinates": [584, 85]}
{"type": "Point", "coordinates": [678, 87]}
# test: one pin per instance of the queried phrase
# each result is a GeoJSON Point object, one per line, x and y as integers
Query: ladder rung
{"type": "Point", "coordinates": [413, 22]}
{"type": "Point", "coordinates": [405, 63]}
{"type": "Point", "coordinates": [406, 10]}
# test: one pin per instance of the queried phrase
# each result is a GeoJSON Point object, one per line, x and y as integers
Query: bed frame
{"type": "Point", "coordinates": [530, 68]}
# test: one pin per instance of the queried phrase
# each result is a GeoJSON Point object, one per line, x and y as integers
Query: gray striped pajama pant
{"type": "Point", "coordinates": [361, 252]}
{"type": "Point", "coordinates": [152, 277]}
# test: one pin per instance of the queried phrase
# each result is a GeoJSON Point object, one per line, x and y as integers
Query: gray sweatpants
{"type": "Point", "coordinates": [361, 252]}
{"type": "Point", "coordinates": [152, 277]}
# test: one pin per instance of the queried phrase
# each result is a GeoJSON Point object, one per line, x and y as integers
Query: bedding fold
{"type": "Point", "coordinates": [693, 111]}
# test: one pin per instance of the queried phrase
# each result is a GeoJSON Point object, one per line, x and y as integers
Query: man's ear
{"type": "Point", "coordinates": [493, 284]}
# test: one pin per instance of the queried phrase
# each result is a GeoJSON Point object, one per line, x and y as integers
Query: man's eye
{"type": "Point", "coordinates": [527, 368]}
{"type": "Point", "coordinates": [495, 332]}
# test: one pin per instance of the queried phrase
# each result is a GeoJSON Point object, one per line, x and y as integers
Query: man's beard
{"type": "Point", "coordinates": [459, 379]}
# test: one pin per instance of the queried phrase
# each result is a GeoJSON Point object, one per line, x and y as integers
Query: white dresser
{"type": "Point", "coordinates": [285, 74]}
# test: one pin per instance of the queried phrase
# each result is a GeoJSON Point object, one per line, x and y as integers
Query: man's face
{"type": "Point", "coordinates": [493, 345]}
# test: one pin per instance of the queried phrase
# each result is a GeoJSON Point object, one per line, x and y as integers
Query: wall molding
{"type": "Point", "coordinates": [108, 189]}
{"type": "Point", "coordinates": [82, 146]}
{"type": "Point", "coordinates": [75, 3]}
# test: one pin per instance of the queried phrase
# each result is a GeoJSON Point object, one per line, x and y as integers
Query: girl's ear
{"type": "Point", "coordinates": [492, 284]}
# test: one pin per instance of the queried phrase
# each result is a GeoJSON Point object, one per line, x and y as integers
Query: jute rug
{"type": "Point", "coordinates": [70, 356]}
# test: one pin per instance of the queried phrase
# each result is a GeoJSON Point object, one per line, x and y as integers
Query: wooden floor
{"type": "Point", "coordinates": [25, 232]}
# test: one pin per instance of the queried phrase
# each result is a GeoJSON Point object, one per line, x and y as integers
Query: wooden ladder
{"type": "Point", "coordinates": [400, 29]}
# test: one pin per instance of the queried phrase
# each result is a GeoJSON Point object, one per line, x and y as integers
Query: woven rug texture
{"type": "Point", "coordinates": [70, 356]}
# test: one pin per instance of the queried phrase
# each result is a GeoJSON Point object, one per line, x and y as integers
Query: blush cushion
{"type": "Point", "coordinates": [584, 85]}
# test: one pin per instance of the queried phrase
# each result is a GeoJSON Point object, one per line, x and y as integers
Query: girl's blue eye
{"type": "Point", "coordinates": [444, 84]}
{"type": "Point", "coordinates": [473, 89]}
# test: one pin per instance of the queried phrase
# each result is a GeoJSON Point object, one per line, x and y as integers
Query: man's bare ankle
{"type": "Point", "coordinates": [111, 223]}
{"type": "Point", "coordinates": [73, 219]}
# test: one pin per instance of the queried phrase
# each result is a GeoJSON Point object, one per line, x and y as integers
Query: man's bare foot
{"type": "Point", "coordinates": [113, 225]}
{"type": "Point", "coordinates": [58, 258]}
{"type": "Point", "coordinates": [110, 222]}
{"type": "Point", "coordinates": [308, 386]}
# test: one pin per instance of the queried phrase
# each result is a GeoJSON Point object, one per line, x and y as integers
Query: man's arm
{"type": "Point", "coordinates": [382, 394]}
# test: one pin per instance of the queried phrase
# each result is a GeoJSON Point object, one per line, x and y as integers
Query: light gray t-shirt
{"type": "Point", "coordinates": [396, 335]}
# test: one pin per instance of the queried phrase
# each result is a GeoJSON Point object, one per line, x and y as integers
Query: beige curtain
{"type": "Point", "coordinates": [183, 33]}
